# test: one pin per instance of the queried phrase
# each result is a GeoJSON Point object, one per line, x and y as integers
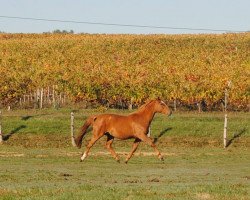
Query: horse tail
{"type": "Point", "coordinates": [83, 131]}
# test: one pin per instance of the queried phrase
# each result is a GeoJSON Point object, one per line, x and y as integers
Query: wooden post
{"type": "Point", "coordinates": [37, 96]}
{"type": "Point", "coordinates": [48, 96]}
{"type": "Point", "coordinates": [20, 102]}
{"type": "Point", "coordinates": [53, 96]}
{"type": "Point", "coordinates": [1, 136]}
{"type": "Point", "coordinates": [225, 119]}
{"type": "Point", "coordinates": [37, 99]}
{"type": "Point", "coordinates": [175, 108]}
{"type": "Point", "coordinates": [225, 132]}
{"type": "Point", "coordinates": [72, 129]}
{"type": "Point", "coordinates": [199, 107]}
{"type": "Point", "coordinates": [64, 98]}
{"type": "Point", "coordinates": [226, 96]}
{"type": "Point", "coordinates": [130, 106]}
{"type": "Point", "coordinates": [41, 98]}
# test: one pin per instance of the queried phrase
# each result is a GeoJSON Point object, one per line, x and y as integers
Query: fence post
{"type": "Point", "coordinates": [225, 118]}
{"type": "Point", "coordinates": [72, 129]}
{"type": "Point", "coordinates": [175, 107]}
{"type": "Point", "coordinates": [41, 98]}
{"type": "Point", "coordinates": [225, 132]}
{"type": "Point", "coordinates": [226, 96]}
{"type": "Point", "coordinates": [225, 121]}
{"type": "Point", "coordinates": [1, 136]}
{"type": "Point", "coordinates": [53, 96]}
{"type": "Point", "coordinates": [199, 107]}
{"type": "Point", "coordinates": [130, 106]}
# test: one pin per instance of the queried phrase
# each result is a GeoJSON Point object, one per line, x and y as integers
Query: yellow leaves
{"type": "Point", "coordinates": [188, 67]}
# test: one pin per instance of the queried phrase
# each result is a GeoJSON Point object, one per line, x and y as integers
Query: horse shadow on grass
{"type": "Point", "coordinates": [236, 135]}
{"type": "Point", "coordinates": [163, 132]}
{"type": "Point", "coordinates": [14, 131]}
{"type": "Point", "coordinates": [27, 117]}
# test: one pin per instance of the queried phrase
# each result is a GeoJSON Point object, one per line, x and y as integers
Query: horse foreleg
{"type": "Point", "coordinates": [135, 145]}
{"type": "Point", "coordinates": [109, 142]}
{"type": "Point", "coordinates": [90, 144]}
{"type": "Point", "coordinates": [149, 141]}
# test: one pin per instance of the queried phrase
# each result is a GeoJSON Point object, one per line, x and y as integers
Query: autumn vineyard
{"type": "Point", "coordinates": [124, 70]}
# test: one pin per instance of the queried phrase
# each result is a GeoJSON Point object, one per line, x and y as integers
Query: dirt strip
{"type": "Point", "coordinates": [11, 154]}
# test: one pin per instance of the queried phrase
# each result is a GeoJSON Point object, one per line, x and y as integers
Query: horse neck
{"type": "Point", "coordinates": [147, 113]}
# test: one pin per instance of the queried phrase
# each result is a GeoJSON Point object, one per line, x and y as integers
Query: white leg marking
{"type": "Point", "coordinates": [83, 156]}
{"type": "Point", "coordinates": [149, 132]}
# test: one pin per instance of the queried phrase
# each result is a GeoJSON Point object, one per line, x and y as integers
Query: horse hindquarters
{"type": "Point", "coordinates": [83, 131]}
{"type": "Point", "coordinates": [98, 132]}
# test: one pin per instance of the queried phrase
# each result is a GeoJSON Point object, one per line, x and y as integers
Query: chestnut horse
{"type": "Point", "coordinates": [135, 125]}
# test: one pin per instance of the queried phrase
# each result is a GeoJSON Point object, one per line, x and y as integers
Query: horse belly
{"type": "Point", "coordinates": [121, 131]}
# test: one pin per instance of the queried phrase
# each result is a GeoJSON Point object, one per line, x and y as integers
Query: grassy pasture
{"type": "Point", "coordinates": [38, 162]}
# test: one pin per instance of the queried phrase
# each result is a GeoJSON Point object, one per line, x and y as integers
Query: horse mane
{"type": "Point", "coordinates": [144, 106]}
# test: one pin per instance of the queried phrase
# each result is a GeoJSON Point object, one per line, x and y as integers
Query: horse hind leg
{"type": "Point", "coordinates": [109, 142]}
{"type": "Point", "coordinates": [92, 141]}
{"type": "Point", "coordinates": [135, 145]}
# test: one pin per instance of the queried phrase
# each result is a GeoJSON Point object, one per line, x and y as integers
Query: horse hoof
{"type": "Point", "coordinates": [126, 162]}
{"type": "Point", "coordinates": [161, 157]}
{"type": "Point", "coordinates": [118, 161]}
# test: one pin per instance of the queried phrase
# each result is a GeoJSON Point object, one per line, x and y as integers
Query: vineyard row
{"type": "Point", "coordinates": [126, 70]}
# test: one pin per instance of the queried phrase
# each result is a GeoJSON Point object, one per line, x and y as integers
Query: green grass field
{"type": "Point", "coordinates": [37, 160]}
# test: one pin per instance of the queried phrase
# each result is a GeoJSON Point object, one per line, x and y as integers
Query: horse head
{"type": "Point", "coordinates": [161, 107]}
